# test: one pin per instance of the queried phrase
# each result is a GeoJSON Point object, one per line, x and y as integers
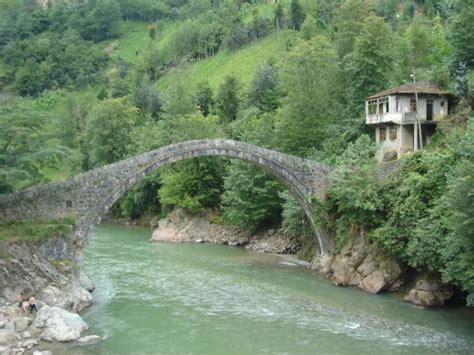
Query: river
{"type": "Point", "coordinates": [164, 298]}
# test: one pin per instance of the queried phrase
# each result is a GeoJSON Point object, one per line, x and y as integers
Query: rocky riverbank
{"type": "Point", "coordinates": [358, 264]}
{"type": "Point", "coordinates": [361, 265]}
{"type": "Point", "coordinates": [180, 227]}
{"type": "Point", "coordinates": [45, 270]}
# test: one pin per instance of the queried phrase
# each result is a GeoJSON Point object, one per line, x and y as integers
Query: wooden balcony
{"type": "Point", "coordinates": [400, 118]}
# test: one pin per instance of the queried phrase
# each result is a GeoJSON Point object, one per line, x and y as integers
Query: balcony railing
{"type": "Point", "coordinates": [392, 117]}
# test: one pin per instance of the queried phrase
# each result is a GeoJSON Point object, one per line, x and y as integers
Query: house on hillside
{"type": "Point", "coordinates": [399, 115]}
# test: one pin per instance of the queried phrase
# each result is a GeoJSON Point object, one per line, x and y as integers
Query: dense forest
{"type": "Point", "coordinates": [88, 83]}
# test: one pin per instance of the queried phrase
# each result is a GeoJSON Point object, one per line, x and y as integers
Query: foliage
{"type": "Point", "coordinates": [367, 69]}
{"type": "Point", "coordinates": [263, 92]}
{"type": "Point", "coordinates": [308, 76]}
{"type": "Point", "coordinates": [461, 34]}
{"type": "Point", "coordinates": [458, 252]}
{"type": "Point", "coordinates": [107, 132]}
{"type": "Point", "coordinates": [51, 61]}
{"type": "Point", "coordinates": [348, 24]}
{"type": "Point", "coordinates": [297, 15]}
{"type": "Point", "coordinates": [142, 199]}
{"type": "Point", "coordinates": [228, 99]}
{"type": "Point", "coordinates": [35, 231]}
{"type": "Point", "coordinates": [24, 146]}
{"type": "Point", "coordinates": [354, 182]}
{"type": "Point", "coordinates": [193, 185]}
{"type": "Point", "coordinates": [204, 97]}
{"type": "Point", "coordinates": [149, 100]}
{"type": "Point", "coordinates": [293, 217]}
{"type": "Point", "coordinates": [251, 197]}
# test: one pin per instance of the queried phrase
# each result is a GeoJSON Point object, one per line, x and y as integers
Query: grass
{"type": "Point", "coordinates": [135, 39]}
{"type": "Point", "coordinates": [35, 231]}
{"type": "Point", "coordinates": [241, 63]}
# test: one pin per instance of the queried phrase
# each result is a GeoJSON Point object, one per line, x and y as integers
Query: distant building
{"type": "Point", "coordinates": [397, 117]}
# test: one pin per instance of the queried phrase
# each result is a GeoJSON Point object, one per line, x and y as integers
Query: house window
{"type": "Point", "coordinates": [412, 105]}
{"type": "Point", "coordinates": [383, 134]}
{"type": "Point", "coordinates": [398, 104]}
{"type": "Point", "coordinates": [393, 133]}
{"type": "Point", "coordinates": [68, 204]}
{"type": "Point", "coordinates": [442, 102]}
{"type": "Point", "coordinates": [383, 105]}
{"type": "Point", "coordinates": [372, 107]}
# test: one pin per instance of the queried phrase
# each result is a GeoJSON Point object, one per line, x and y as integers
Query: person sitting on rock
{"type": "Point", "coordinates": [32, 303]}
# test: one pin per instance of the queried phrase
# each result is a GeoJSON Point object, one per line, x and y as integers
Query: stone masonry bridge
{"type": "Point", "coordinates": [87, 197]}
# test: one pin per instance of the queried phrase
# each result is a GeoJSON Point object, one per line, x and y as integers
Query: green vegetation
{"type": "Point", "coordinates": [242, 63]}
{"type": "Point", "coordinates": [35, 231]}
{"type": "Point", "coordinates": [90, 83]}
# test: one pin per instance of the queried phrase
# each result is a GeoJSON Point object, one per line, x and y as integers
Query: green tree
{"type": "Point", "coordinates": [348, 24]}
{"type": "Point", "coordinates": [368, 69]}
{"type": "Point", "coordinates": [204, 97]}
{"type": "Point", "coordinates": [251, 196]}
{"type": "Point", "coordinates": [149, 100]}
{"type": "Point", "coordinates": [228, 99]}
{"type": "Point", "coordinates": [263, 92]}
{"type": "Point", "coordinates": [108, 131]}
{"type": "Point", "coordinates": [309, 29]}
{"type": "Point", "coordinates": [458, 251]}
{"type": "Point", "coordinates": [193, 185]}
{"type": "Point", "coordinates": [309, 76]}
{"type": "Point", "coordinates": [461, 34]}
{"type": "Point", "coordinates": [279, 17]}
{"type": "Point", "coordinates": [102, 22]}
{"type": "Point", "coordinates": [297, 15]}
{"type": "Point", "coordinates": [26, 146]}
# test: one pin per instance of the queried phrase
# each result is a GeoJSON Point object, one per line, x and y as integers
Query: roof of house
{"type": "Point", "coordinates": [422, 87]}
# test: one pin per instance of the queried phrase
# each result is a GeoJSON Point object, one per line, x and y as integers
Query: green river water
{"type": "Point", "coordinates": [159, 298]}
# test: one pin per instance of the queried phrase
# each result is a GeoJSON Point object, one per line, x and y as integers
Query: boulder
{"type": "Point", "coordinates": [89, 340]}
{"type": "Point", "coordinates": [86, 282]}
{"type": "Point", "coordinates": [362, 265]}
{"type": "Point", "coordinates": [74, 298]}
{"type": "Point", "coordinates": [429, 291]}
{"type": "Point", "coordinates": [57, 324]}
{"type": "Point", "coordinates": [43, 352]}
{"type": "Point", "coordinates": [8, 337]}
{"type": "Point", "coordinates": [26, 335]}
{"type": "Point", "coordinates": [29, 343]}
{"type": "Point", "coordinates": [56, 297]}
{"type": "Point", "coordinates": [81, 298]}
{"type": "Point", "coordinates": [21, 323]}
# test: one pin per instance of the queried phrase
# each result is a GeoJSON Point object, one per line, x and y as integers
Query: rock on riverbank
{"type": "Point", "coordinates": [363, 266]}
{"type": "Point", "coordinates": [45, 270]}
{"type": "Point", "coordinates": [180, 227]}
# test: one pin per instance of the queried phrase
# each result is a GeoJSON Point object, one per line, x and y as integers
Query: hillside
{"type": "Point", "coordinates": [242, 63]}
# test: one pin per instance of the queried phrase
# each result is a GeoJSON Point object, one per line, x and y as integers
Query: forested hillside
{"type": "Point", "coordinates": [88, 83]}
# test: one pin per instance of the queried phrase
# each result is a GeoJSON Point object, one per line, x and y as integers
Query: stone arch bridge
{"type": "Point", "coordinates": [87, 197]}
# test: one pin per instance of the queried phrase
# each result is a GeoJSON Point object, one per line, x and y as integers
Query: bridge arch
{"type": "Point", "coordinates": [88, 196]}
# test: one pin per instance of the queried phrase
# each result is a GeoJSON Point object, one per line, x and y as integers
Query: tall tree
{"type": "Point", "coordinates": [368, 68]}
{"type": "Point", "coordinates": [461, 34]}
{"type": "Point", "coordinates": [204, 97]}
{"type": "Point", "coordinates": [297, 15]}
{"type": "Point", "coordinates": [348, 24]}
{"type": "Point", "coordinates": [228, 99]}
{"type": "Point", "coordinates": [310, 78]}
{"type": "Point", "coordinates": [263, 91]}
{"type": "Point", "coordinates": [25, 148]}
{"type": "Point", "coordinates": [108, 131]}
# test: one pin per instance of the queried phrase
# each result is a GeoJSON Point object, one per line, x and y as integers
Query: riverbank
{"type": "Point", "coordinates": [181, 227]}
{"type": "Point", "coordinates": [358, 264]}
{"type": "Point", "coordinates": [37, 259]}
